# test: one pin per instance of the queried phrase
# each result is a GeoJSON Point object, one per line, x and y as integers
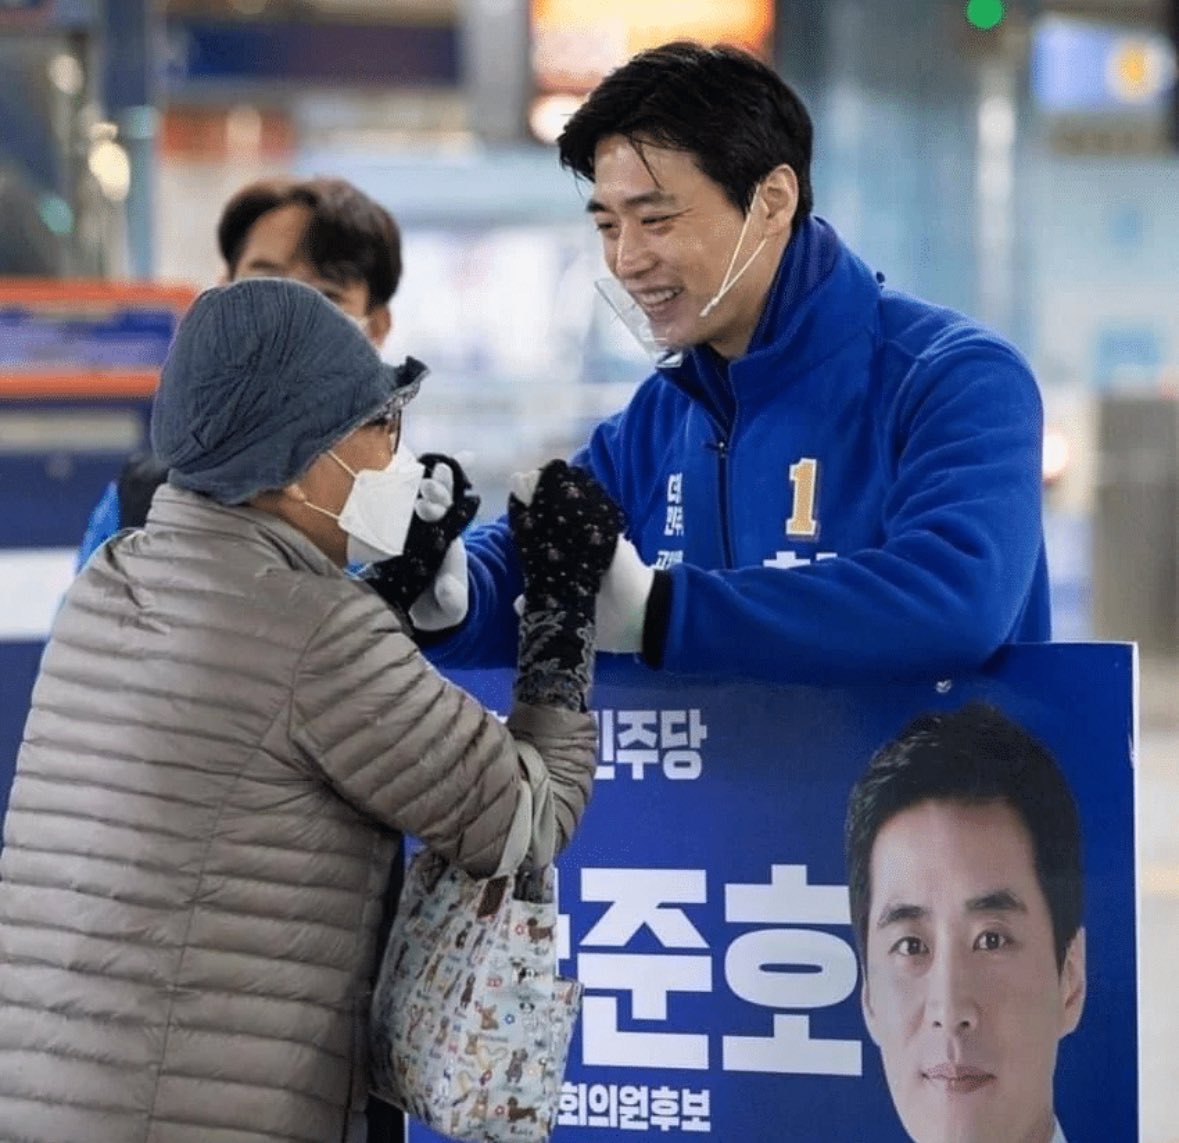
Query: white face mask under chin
{"type": "Point", "coordinates": [379, 509]}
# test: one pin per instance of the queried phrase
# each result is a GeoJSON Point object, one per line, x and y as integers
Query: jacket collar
{"type": "Point", "coordinates": [178, 508]}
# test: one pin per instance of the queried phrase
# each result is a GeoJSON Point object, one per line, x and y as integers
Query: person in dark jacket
{"type": "Point", "coordinates": [825, 480]}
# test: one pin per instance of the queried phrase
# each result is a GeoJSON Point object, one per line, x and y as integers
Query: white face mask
{"type": "Point", "coordinates": [379, 509]}
{"type": "Point", "coordinates": [631, 314]}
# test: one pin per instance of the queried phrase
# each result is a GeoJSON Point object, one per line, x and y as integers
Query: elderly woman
{"type": "Point", "coordinates": [229, 735]}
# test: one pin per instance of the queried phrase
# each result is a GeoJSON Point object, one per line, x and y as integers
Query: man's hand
{"type": "Point", "coordinates": [622, 601]}
{"type": "Point", "coordinates": [428, 581]}
{"type": "Point", "coordinates": [443, 604]}
{"type": "Point", "coordinates": [564, 526]}
{"type": "Point", "coordinates": [621, 604]}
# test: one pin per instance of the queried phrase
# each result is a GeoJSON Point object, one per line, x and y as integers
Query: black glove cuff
{"type": "Point", "coordinates": [392, 587]}
{"type": "Point", "coordinates": [555, 665]}
{"type": "Point", "coordinates": [657, 619]}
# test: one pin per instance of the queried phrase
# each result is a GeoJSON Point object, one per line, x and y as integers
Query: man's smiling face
{"type": "Point", "coordinates": [668, 235]}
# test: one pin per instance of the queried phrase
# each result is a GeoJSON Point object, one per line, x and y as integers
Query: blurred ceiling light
{"type": "Point", "coordinates": [1057, 454]}
{"type": "Point", "coordinates": [549, 114]}
{"type": "Point", "coordinates": [111, 168]}
{"type": "Point", "coordinates": [65, 73]}
{"type": "Point", "coordinates": [1138, 69]}
{"type": "Point", "coordinates": [576, 42]}
{"type": "Point", "coordinates": [985, 14]}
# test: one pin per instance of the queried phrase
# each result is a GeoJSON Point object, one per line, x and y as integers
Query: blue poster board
{"type": "Point", "coordinates": [705, 902]}
{"type": "Point", "coordinates": [707, 910]}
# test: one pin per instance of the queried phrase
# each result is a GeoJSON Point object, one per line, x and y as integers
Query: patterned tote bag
{"type": "Point", "coordinates": [471, 1024]}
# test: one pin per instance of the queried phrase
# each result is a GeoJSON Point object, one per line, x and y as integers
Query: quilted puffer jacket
{"type": "Point", "coordinates": [226, 738]}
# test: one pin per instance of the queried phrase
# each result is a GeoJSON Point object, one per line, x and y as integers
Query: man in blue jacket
{"type": "Point", "coordinates": [825, 480]}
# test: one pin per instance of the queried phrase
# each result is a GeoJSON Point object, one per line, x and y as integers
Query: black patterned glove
{"type": "Point", "coordinates": [565, 537]}
{"type": "Point", "coordinates": [444, 507]}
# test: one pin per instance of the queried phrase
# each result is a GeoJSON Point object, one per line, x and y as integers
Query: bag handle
{"type": "Point", "coordinates": [533, 832]}
{"type": "Point", "coordinates": [492, 897]}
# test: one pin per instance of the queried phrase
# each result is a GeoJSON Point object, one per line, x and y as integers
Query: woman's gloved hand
{"type": "Point", "coordinates": [428, 581]}
{"type": "Point", "coordinates": [565, 528]}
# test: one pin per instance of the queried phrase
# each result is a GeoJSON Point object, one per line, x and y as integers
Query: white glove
{"type": "Point", "coordinates": [444, 603]}
{"type": "Point", "coordinates": [435, 494]}
{"type": "Point", "coordinates": [522, 485]}
{"type": "Point", "coordinates": [429, 578]}
{"type": "Point", "coordinates": [622, 601]}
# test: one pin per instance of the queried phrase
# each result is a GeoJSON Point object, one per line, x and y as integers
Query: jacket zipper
{"type": "Point", "coordinates": [721, 448]}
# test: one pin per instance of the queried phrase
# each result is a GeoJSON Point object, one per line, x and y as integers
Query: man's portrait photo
{"type": "Point", "coordinates": [963, 852]}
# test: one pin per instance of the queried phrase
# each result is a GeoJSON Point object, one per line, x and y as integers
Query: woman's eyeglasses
{"type": "Point", "coordinates": [389, 419]}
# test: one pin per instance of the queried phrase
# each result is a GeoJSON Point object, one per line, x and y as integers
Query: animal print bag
{"type": "Point", "coordinates": [470, 1023]}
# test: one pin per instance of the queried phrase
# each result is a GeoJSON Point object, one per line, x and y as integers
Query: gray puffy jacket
{"type": "Point", "coordinates": [226, 737]}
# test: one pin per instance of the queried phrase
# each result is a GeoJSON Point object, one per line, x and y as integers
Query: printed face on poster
{"type": "Point", "coordinates": [708, 914]}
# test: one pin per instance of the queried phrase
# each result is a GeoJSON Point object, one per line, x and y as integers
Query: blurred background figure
{"type": "Point", "coordinates": [1013, 160]}
{"type": "Point", "coordinates": [27, 245]}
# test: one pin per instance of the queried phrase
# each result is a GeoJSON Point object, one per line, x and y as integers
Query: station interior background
{"type": "Point", "coordinates": [1026, 173]}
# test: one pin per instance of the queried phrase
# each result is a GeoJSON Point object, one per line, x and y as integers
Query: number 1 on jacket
{"type": "Point", "coordinates": [805, 477]}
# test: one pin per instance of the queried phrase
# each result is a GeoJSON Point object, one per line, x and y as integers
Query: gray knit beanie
{"type": "Point", "coordinates": [263, 376]}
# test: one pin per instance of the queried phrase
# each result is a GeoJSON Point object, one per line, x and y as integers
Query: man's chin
{"type": "Point", "coordinates": [946, 1129]}
{"type": "Point", "coordinates": [955, 1122]}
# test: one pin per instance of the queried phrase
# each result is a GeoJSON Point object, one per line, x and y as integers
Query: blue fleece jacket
{"type": "Point", "coordinates": [855, 499]}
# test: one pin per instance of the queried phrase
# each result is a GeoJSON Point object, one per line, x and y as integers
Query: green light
{"type": "Point", "coordinates": [985, 14]}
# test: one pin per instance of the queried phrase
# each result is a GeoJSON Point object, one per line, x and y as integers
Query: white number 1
{"type": "Point", "coordinates": [805, 477]}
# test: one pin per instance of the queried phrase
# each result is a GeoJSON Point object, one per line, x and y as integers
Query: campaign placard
{"type": "Point", "coordinates": [706, 904]}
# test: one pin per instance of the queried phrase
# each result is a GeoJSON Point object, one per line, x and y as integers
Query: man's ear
{"type": "Point", "coordinates": [779, 192]}
{"type": "Point", "coordinates": [1073, 983]}
{"type": "Point", "coordinates": [380, 325]}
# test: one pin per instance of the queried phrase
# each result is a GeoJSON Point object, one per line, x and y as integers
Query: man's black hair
{"type": "Point", "coordinates": [972, 756]}
{"type": "Point", "coordinates": [723, 106]}
{"type": "Point", "coordinates": [349, 238]}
